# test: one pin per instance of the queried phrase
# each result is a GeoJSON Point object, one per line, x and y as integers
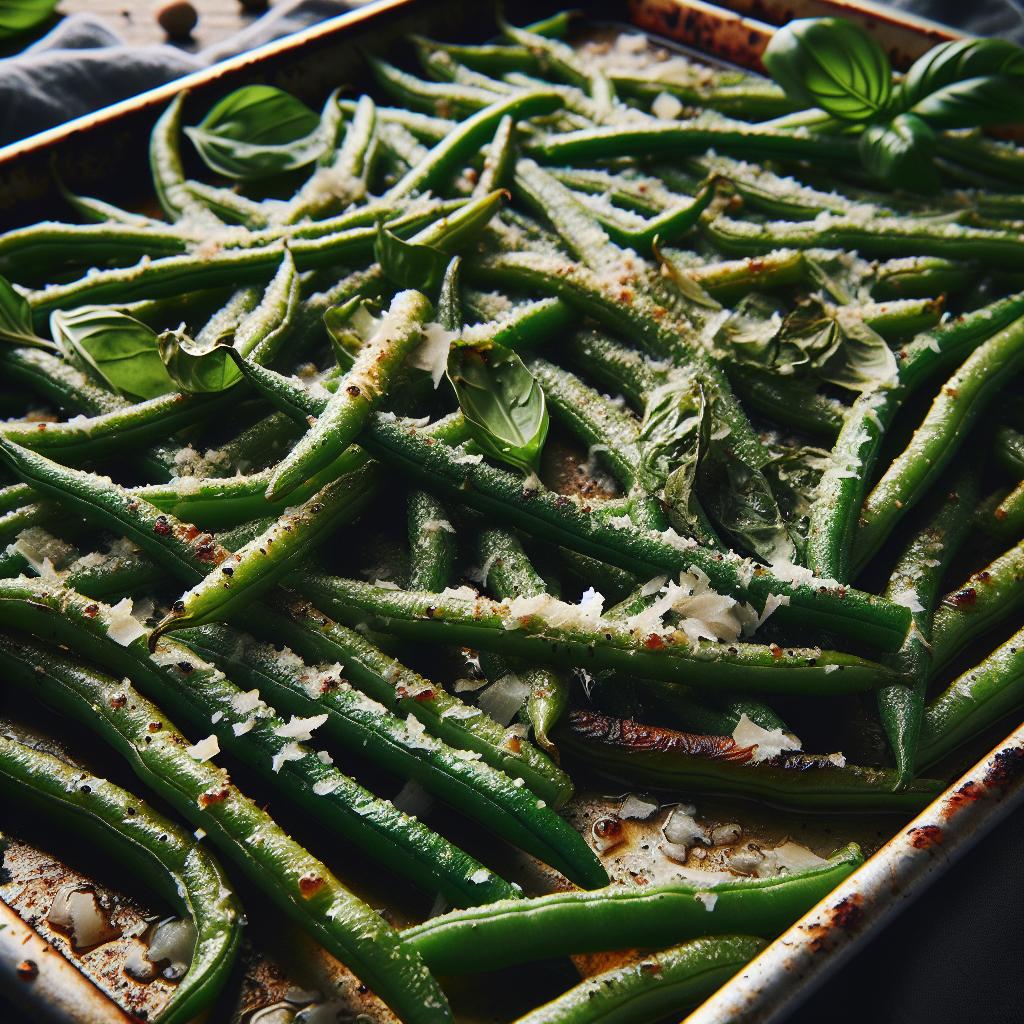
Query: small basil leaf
{"type": "Point", "coordinates": [689, 446]}
{"type": "Point", "coordinates": [831, 64]}
{"type": "Point", "coordinates": [120, 349]}
{"type": "Point", "coordinates": [958, 61]}
{"type": "Point", "coordinates": [198, 369]}
{"type": "Point", "coordinates": [899, 154]}
{"type": "Point", "coordinates": [668, 433]}
{"type": "Point", "coordinates": [503, 404]}
{"type": "Point", "coordinates": [16, 318]}
{"type": "Point", "coordinates": [794, 474]}
{"type": "Point", "coordinates": [407, 264]}
{"type": "Point", "coordinates": [258, 131]}
{"type": "Point", "coordinates": [673, 265]}
{"type": "Point", "coordinates": [18, 16]}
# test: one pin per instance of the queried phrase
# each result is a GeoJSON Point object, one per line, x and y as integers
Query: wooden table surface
{"type": "Point", "coordinates": [135, 20]}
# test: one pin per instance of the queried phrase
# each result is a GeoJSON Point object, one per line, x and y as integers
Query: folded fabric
{"type": "Point", "coordinates": [83, 65]}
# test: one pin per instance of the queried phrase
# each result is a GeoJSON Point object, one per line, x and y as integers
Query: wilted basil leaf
{"type": "Point", "coordinates": [407, 264]}
{"type": "Point", "coordinates": [196, 368]}
{"type": "Point", "coordinates": [258, 131]}
{"type": "Point", "coordinates": [16, 318]}
{"type": "Point", "coordinates": [899, 154]}
{"type": "Point", "coordinates": [838, 274]}
{"type": "Point", "coordinates": [121, 349]}
{"type": "Point", "coordinates": [673, 265]}
{"type": "Point", "coordinates": [20, 15]}
{"type": "Point", "coordinates": [686, 452]}
{"type": "Point", "coordinates": [503, 404]}
{"type": "Point", "coordinates": [966, 83]}
{"type": "Point", "coordinates": [832, 64]}
{"type": "Point", "coordinates": [749, 334]}
{"type": "Point", "coordinates": [794, 474]}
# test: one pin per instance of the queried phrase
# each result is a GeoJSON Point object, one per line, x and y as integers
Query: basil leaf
{"type": "Point", "coordinates": [831, 64]}
{"type": "Point", "coordinates": [974, 102]}
{"type": "Point", "coordinates": [195, 368]}
{"type": "Point", "coordinates": [686, 453]}
{"type": "Point", "coordinates": [258, 131]}
{"type": "Point", "coordinates": [18, 16]}
{"type": "Point", "coordinates": [958, 61]}
{"type": "Point", "coordinates": [749, 334]}
{"type": "Point", "coordinates": [120, 349]}
{"type": "Point", "coordinates": [407, 264]}
{"type": "Point", "coordinates": [836, 346]}
{"type": "Point", "coordinates": [794, 474]}
{"type": "Point", "coordinates": [899, 154]}
{"type": "Point", "coordinates": [16, 318]}
{"type": "Point", "coordinates": [503, 404]}
{"type": "Point", "coordinates": [672, 264]}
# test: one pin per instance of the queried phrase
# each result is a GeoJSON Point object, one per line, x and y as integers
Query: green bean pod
{"type": "Point", "coordinates": [495, 626]}
{"type": "Point", "coordinates": [509, 810]}
{"type": "Point", "coordinates": [301, 886]}
{"type": "Point", "coordinates": [431, 542]}
{"type": "Point", "coordinates": [404, 692]}
{"type": "Point", "coordinates": [359, 391]}
{"type": "Point", "coordinates": [146, 842]}
{"type": "Point", "coordinates": [653, 987]}
{"type": "Point", "coordinates": [990, 596]}
{"type": "Point", "coordinates": [623, 917]}
{"type": "Point", "coordinates": [971, 703]}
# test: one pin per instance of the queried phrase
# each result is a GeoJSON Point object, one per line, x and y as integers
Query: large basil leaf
{"type": "Point", "coordinates": [408, 264]}
{"type": "Point", "coordinates": [198, 368]}
{"type": "Point", "coordinates": [831, 64]}
{"type": "Point", "coordinates": [119, 348]}
{"type": "Point", "coordinates": [966, 83]}
{"type": "Point", "coordinates": [18, 16]}
{"type": "Point", "coordinates": [258, 131]}
{"type": "Point", "coordinates": [899, 154]}
{"type": "Point", "coordinates": [503, 404]}
{"type": "Point", "coordinates": [16, 318]}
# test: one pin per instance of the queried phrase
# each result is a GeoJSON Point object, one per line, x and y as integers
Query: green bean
{"type": "Point", "coordinates": [958, 405]}
{"type": "Point", "coordinates": [402, 691]}
{"type": "Point", "coordinates": [970, 704]}
{"type": "Point", "coordinates": [1006, 519]}
{"type": "Point", "coordinates": [448, 155]}
{"type": "Point", "coordinates": [443, 98]}
{"type": "Point", "coordinates": [1009, 450]}
{"type": "Point", "coordinates": [490, 58]}
{"type": "Point", "coordinates": [988, 597]}
{"type": "Point", "coordinates": [234, 582]}
{"type": "Point", "coordinates": [536, 632]}
{"type": "Point", "coordinates": [165, 162]}
{"type": "Point", "coordinates": [729, 280]}
{"type": "Point", "coordinates": [498, 158]}
{"type": "Point", "coordinates": [510, 810]}
{"type": "Point", "coordinates": [636, 192]}
{"type": "Point", "coordinates": [645, 755]}
{"type": "Point", "coordinates": [653, 987]}
{"type": "Point", "coordinates": [228, 205]}
{"type": "Point", "coordinates": [431, 542]}
{"type": "Point", "coordinates": [299, 884]}
{"type": "Point", "coordinates": [658, 139]}
{"type": "Point", "coordinates": [57, 381]}
{"type": "Point", "coordinates": [622, 917]}
{"type": "Point", "coordinates": [915, 583]}
{"type": "Point", "coordinates": [359, 392]}
{"type": "Point", "coordinates": [150, 845]}
{"type": "Point", "coordinates": [422, 126]}
{"type": "Point", "coordinates": [543, 514]}
{"type": "Point", "coordinates": [840, 493]}
{"type": "Point", "coordinates": [875, 236]}
{"type": "Point", "coordinates": [203, 697]}
{"type": "Point", "coordinates": [508, 570]}
{"type": "Point", "coordinates": [920, 277]}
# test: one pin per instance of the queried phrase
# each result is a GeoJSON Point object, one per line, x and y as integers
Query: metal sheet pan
{"type": "Point", "coordinates": [108, 147]}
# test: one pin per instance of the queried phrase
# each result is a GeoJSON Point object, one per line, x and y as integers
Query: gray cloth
{"type": "Point", "coordinates": [83, 65]}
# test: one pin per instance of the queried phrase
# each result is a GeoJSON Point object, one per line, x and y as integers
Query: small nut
{"type": "Point", "coordinates": [177, 18]}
